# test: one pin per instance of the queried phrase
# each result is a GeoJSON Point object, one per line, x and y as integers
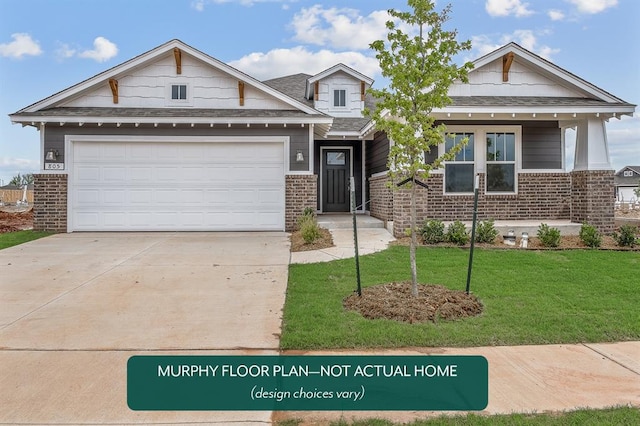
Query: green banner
{"type": "Point", "coordinates": [307, 382]}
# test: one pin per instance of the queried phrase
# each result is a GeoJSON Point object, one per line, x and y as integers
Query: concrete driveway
{"type": "Point", "coordinates": [76, 306]}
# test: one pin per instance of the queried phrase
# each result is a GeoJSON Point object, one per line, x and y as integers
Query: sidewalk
{"type": "Point", "coordinates": [526, 379]}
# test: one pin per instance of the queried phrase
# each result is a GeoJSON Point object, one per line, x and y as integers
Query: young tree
{"type": "Point", "coordinates": [420, 68]}
{"type": "Point", "coordinates": [637, 191]}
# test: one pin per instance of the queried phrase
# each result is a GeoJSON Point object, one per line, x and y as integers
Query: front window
{"type": "Point", "coordinates": [501, 162]}
{"type": "Point", "coordinates": [459, 173]}
{"type": "Point", "coordinates": [340, 98]}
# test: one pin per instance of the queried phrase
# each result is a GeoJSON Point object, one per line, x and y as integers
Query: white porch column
{"type": "Point", "coordinates": [592, 148]}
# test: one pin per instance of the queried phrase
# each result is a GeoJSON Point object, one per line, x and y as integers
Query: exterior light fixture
{"type": "Point", "coordinates": [52, 155]}
{"type": "Point", "coordinates": [299, 157]}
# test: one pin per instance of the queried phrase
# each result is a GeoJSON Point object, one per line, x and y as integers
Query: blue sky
{"type": "Point", "coordinates": [47, 46]}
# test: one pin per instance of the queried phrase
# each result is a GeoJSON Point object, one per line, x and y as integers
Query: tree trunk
{"type": "Point", "coordinates": [412, 246]}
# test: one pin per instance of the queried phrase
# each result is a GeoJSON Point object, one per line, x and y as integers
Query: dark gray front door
{"type": "Point", "coordinates": [336, 169]}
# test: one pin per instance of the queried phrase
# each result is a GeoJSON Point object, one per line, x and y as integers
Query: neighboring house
{"type": "Point", "coordinates": [174, 139]}
{"type": "Point", "coordinates": [626, 182]}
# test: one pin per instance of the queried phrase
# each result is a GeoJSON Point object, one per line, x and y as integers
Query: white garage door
{"type": "Point", "coordinates": [167, 186]}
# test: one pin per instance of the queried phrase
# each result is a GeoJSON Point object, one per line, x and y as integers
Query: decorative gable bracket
{"type": "Point", "coordinates": [241, 92]}
{"type": "Point", "coordinates": [507, 60]}
{"type": "Point", "coordinates": [113, 84]}
{"type": "Point", "coordinates": [177, 54]}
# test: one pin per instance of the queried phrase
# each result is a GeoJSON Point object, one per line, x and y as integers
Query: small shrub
{"type": "Point", "coordinates": [309, 230]}
{"type": "Point", "coordinates": [432, 231]}
{"type": "Point", "coordinates": [590, 236]}
{"type": "Point", "coordinates": [549, 237]}
{"type": "Point", "coordinates": [486, 232]}
{"type": "Point", "coordinates": [307, 215]}
{"type": "Point", "coordinates": [457, 233]}
{"type": "Point", "coordinates": [627, 236]}
{"type": "Point", "coordinates": [308, 211]}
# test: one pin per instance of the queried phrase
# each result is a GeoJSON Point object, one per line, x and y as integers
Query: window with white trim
{"type": "Point", "coordinates": [501, 162]}
{"type": "Point", "coordinates": [459, 173]}
{"type": "Point", "coordinates": [628, 173]}
{"type": "Point", "coordinates": [179, 92]}
{"type": "Point", "coordinates": [340, 98]}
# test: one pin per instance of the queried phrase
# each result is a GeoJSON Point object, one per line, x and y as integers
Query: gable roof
{"type": "Point", "coordinates": [334, 69]}
{"type": "Point", "coordinates": [574, 95]}
{"type": "Point", "coordinates": [150, 56]}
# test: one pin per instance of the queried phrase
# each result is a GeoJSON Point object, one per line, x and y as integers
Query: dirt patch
{"type": "Point", "coordinates": [394, 301]}
{"type": "Point", "coordinates": [11, 221]}
{"type": "Point", "coordinates": [298, 244]}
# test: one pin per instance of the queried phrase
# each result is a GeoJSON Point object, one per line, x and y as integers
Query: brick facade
{"type": "Point", "coordinates": [50, 202]}
{"type": "Point", "coordinates": [593, 198]}
{"type": "Point", "coordinates": [301, 191]}
{"type": "Point", "coordinates": [381, 196]}
{"type": "Point", "coordinates": [540, 196]}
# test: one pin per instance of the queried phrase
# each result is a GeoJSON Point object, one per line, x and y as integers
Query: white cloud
{"type": "Point", "coordinates": [555, 15]}
{"type": "Point", "coordinates": [339, 28]}
{"type": "Point", "coordinates": [22, 45]}
{"type": "Point", "coordinates": [64, 51]}
{"type": "Point", "coordinates": [624, 141]}
{"type": "Point", "coordinates": [103, 50]}
{"type": "Point", "coordinates": [282, 62]}
{"type": "Point", "coordinates": [483, 44]}
{"type": "Point", "coordinates": [507, 7]}
{"type": "Point", "coordinates": [593, 6]}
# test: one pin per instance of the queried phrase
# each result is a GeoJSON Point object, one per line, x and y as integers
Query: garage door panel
{"type": "Point", "coordinates": [177, 186]}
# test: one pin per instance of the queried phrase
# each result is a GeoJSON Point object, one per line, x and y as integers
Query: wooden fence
{"type": "Point", "coordinates": [10, 196]}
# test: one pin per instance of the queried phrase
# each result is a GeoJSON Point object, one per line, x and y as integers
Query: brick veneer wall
{"type": "Point", "coordinates": [301, 191]}
{"type": "Point", "coordinates": [381, 196]}
{"type": "Point", "coordinates": [50, 202]}
{"type": "Point", "coordinates": [593, 198]}
{"type": "Point", "coordinates": [540, 196]}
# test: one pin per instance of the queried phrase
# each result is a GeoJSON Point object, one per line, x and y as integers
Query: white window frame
{"type": "Point", "coordinates": [179, 102]}
{"type": "Point", "coordinates": [332, 95]}
{"type": "Point", "coordinates": [480, 152]}
{"type": "Point", "coordinates": [628, 173]}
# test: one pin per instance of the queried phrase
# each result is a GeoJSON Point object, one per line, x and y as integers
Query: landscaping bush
{"type": "Point", "coordinates": [549, 237]}
{"type": "Point", "coordinates": [590, 236]}
{"type": "Point", "coordinates": [432, 231]}
{"type": "Point", "coordinates": [627, 236]}
{"type": "Point", "coordinates": [309, 229]}
{"type": "Point", "coordinates": [486, 232]}
{"type": "Point", "coordinates": [457, 233]}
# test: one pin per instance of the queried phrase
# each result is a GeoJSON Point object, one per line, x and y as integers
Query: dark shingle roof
{"type": "Point", "coordinates": [293, 86]}
{"type": "Point", "coordinates": [542, 101]}
{"type": "Point", "coordinates": [621, 180]}
{"type": "Point", "coordinates": [163, 112]}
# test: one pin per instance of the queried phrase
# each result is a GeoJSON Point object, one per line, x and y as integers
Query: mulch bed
{"type": "Point", "coordinates": [298, 244]}
{"type": "Point", "coordinates": [15, 221]}
{"type": "Point", "coordinates": [394, 301]}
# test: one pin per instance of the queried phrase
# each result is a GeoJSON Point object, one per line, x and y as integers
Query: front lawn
{"type": "Point", "coordinates": [529, 297]}
{"type": "Point", "coordinates": [9, 239]}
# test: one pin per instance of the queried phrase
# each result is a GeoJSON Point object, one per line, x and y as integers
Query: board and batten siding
{"type": "Point", "coordinates": [377, 154]}
{"type": "Point", "coordinates": [298, 137]}
{"type": "Point", "coordinates": [150, 87]}
{"type": "Point", "coordinates": [339, 80]}
{"type": "Point", "coordinates": [487, 81]}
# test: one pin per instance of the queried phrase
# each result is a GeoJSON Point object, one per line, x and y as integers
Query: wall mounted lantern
{"type": "Point", "coordinates": [299, 157]}
{"type": "Point", "coordinates": [52, 155]}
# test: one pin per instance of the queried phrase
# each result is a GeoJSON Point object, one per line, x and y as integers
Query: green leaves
{"type": "Point", "coordinates": [417, 57]}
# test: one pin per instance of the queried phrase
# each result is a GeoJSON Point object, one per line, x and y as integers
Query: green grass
{"type": "Point", "coordinates": [529, 297]}
{"type": "Point", "coordinates": [610, 416]}
{"type": "Point", "coordinates": [10, 239]}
